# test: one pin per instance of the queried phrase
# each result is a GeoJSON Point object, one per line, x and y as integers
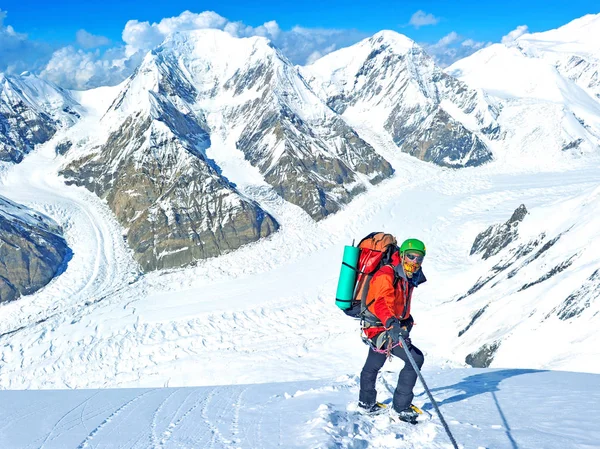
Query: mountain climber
{"type": "Point", "coordinates": [388, 316]}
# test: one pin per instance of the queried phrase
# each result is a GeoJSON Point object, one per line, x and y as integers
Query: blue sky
{"type": "Point", "coordinates": [81, 44]}
{"type": "Point", "coordinates": [57, 22]}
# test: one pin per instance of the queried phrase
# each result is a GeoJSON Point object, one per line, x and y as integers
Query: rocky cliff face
{"type": "Point", "coordinates": [538, 284]}
{"type": "Point", "coordinates": [428, 113]}
{"type": "Point", "coordinates": [495, 238]}
{"type": "Point", "coordinates": [172, 202]}
{"type": "Point", "coordinates": [32, 250]}
{"type": "Point", "coordinates": [31, 110]}
{"type": "Point", "coordinates": [255, 97]}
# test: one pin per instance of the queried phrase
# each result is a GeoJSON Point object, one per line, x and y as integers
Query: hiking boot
{"type": "Point", "coordinates": [371, 409]}
{"type": "Point", "coordinates": [408, 415]}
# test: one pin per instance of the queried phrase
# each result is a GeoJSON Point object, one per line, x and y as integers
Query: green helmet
{"type": "Point", "coordinates": [412, 245]}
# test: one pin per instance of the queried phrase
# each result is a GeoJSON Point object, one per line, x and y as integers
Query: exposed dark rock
{"type": "Point", "coordinates": [63, 147]}
{"type": "Point", "coordinates": [516, 254]}
{"type": "Point", "coordinates": [557, 269]}
{"type": "Point", "coordinates": [581, 299]}
{"type": "Point", "coordinates": [31, 110]}
{"type": "Point", "coordinates": [483, 357]}
{"type": "Point", "coordinates": [572, 145]}
{"type": "Point", "coordinates": [478, 286]}
{"type": "Point", "coordinates": [21, 128]}
{"type": "Point", "coordinates": [175, 206]}
{"type": "Point", "coordinates": [417, 120]}
{"type": "Point", "coordinates": [32, 250]}
{"type": "Point", "coordinates": [439, 139]}
{"type": "Point", "coordinates": [318, 182]}
{"type": "Point", "coordinates": [549, 244]}
{"type": "Point", "coordinates": [491, 241]}
{"type": "Point", "coordinates": [311, 163]}
{"type": "Point", "coordinates": [475, 317]}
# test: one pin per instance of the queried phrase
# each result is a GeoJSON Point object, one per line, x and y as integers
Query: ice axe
{"type": "Point", "coordinates": [437, 409]}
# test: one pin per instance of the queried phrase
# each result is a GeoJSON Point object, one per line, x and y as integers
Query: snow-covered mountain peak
{"type": "Point", "coordinates": [31, 110]}
{"type": "Point", "coordinates": [549, 84]}
{"type": "Point", "coordinates": [396, 42]}
{"type": "Point", "coordinates": [204, 88]}
{"type": "Point", "coordinates": [215, 45]}
{"type": "Point", "coordinates": [215, 51]}
{"type": "Point", "coordinates": [573, 50]}
{"type": "Point", "coordinates": [504, 71]}
{"type": "Point", "coordinates": [580, 36]}
{"type": "Point", "coordinates": [36, 92]}
{"type": "Point", "coordinates": [200, 64]}
{"type": "Point", "coordinates": [394, 84]}
{"type": "Point", "coordinates": [343, 65]}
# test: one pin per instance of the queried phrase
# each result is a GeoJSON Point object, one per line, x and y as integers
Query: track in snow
{"type": "Point", "coordinates": [500, 409]}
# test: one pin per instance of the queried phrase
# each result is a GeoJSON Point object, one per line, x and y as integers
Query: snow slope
{"type": "Point", "coordinates": [510, 408]}
{"type": "Point", "coordinates": [101, 263]}
{"type": "Point", "coordinates": [548, 86]}
{"type": "Point", "coordinates": [391, 83]}
{"type": "Point", "coordinates": [210, 324]}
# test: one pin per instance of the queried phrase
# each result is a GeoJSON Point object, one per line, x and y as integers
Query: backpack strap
{"type": "Point", "coordinates": [351, 267]}
{"type": "Point", "coordinates": [367, 319]}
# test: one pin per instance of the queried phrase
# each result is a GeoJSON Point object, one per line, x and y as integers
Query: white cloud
{"type": "Point", "coordinates": [17, 52]}
{"type": "Point", "coordinates": [474, 44]}
{"type": "Point", "coordinates": [448, 39]}
{"type": "Point", "coordinates": [515, 34]}
{"type": "Point", "coordinates": [79, 66]}
{"type": "Point", "coordinates": [421, 18]}
{"type": "Point", "coordinates": [319, 54]}
{"type": "Point", "coordinates": [79, 69]}
{"type": "Point", "coordinates": [299, 44]}
{"type": "Point", "coordinates": [89, 40]}
{"type": "Point", "coordinates": [453, 47]}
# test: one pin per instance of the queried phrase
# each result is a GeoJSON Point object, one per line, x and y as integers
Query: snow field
{"type": "Point", "coordinates": [497, 409]}
{"type": "Point", "coordinates": [196, 326]}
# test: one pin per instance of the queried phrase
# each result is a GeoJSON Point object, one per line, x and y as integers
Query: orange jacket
{"type": "Point", "coordinates": [385, 300]}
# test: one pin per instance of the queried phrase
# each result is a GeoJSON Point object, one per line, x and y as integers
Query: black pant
{"type": "Point", "coordinates": [403, 395]}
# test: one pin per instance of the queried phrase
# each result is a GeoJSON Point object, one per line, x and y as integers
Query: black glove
{"type": "Point", "coordinates": [408, 323]}
{"type": "Point", "coordinates": [395, 330]}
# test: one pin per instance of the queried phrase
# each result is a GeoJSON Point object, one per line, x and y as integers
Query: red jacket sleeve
{"type": "Point", "coordinates": [383, 292]}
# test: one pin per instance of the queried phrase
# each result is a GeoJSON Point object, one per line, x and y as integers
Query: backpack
{"type": "Point", "coordinates": [376, 250]}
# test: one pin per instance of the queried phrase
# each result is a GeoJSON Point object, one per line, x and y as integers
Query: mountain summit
{"type": "Point", "coordinates": [203, 87]}
{"type": "Point", "coordinates": [31, 111]}
{"type": "Point", "coordinates": [393, 82]}
{"type": "Point", "coordinates": [548, 86]}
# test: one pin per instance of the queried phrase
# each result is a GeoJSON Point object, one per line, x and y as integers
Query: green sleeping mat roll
{"type": "Point", "coordinates": [347, 279]}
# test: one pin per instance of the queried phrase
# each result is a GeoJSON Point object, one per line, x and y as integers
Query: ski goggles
{"type": "Point", "coordinates": [414, 257]}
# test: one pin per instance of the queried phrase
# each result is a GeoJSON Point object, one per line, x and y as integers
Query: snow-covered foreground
{"type": "Point", "coordinates": [506, 408]}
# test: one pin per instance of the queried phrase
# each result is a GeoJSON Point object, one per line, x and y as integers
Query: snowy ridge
{"type": "Point", "coordinates": [548, 85]}
{"type": "Point", "coordinates": [174, 203]}
{"type": "Point", "coordinates": [392, 83]}
{"type": "Point", "coordinates": [261, 108]}
{"type": "Point", "coordinates": [205, 87]}
{"type": "Point", "coordinates": [550, 271]}
{"type": "Point", "coordinates": [40, 95]}
{"type": "Point", "coordinates": [12, 211]}
{"type": "Point", "coordinates": [31, 111]}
